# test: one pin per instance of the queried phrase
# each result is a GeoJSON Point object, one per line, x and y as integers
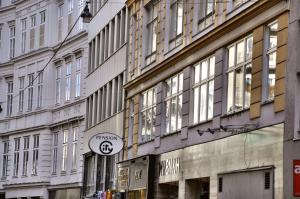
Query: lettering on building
{"type": "Point", "coordinates": [169, 167]}
{"type": "Point", "coordinates": [138, 174]}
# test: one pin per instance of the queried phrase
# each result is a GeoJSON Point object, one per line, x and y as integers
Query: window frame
{"type": "Point", "coordinates": [177, 39]}
{"type": "Point", "coordinates": [65, 150]}
{"type": "Point", "coordinates": [16, 156]}
{"type": "Point", "coordinates": [12, 41]}
{"type": "Point", "coordinates": [75, 147]}
{"type": "Point", "coordinates": [23, 34]}
{"type": "Point", "coordinates": [30, 89]}
{"type": "Point", "coordinates": [168, 100]}
{"type": "Point", "coordinates": [197, 85]}
{"type": "Point", "coordinates": [78, 77]}
{"type": "Point", "coordinates": [26, 145]}
{"type": "Point", "coordinates": [21, 93]}
{"type": "Point", "coordinates": [40, 89]}
{"type": "Point", "coordinates": [68, 81]}
{"type": "Point", "coordinates": [54, 152]}
{"type": "Point", "coordinates": [232, 69]}
{"type": "Point", "coordinates": [10, 92]}
{"type": "Point", "coordinates": [5, 156]}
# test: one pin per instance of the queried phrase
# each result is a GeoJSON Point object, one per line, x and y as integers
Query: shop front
{"type": "Point", "coordinates": [247, 165]}
{"type": "Point", "coordinates": [135, 178]}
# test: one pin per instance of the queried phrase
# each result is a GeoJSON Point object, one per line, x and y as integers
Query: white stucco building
{"type": "Point", "coordinates": [42, 107]}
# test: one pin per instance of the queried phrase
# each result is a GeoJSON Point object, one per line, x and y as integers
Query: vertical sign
{"type": "Point", "coordinates": [297, 178]}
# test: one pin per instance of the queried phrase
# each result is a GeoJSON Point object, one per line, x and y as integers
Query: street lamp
{"type": "Point", "coordinates": [86, 15]}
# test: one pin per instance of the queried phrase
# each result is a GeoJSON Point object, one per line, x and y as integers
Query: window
{"type": "Point", "coordinates": [176, 9]}
{"type": "Point", "coordinates": [35, 156]}
{"type": "Point", "coordinates": [30, 90]}
{"type": "Point", "coordinates": [271, 57]}
{"type": "Point", "coordinates": [40, 89]}
{"type": "Point", "coordinates": [65, 150]}
{"type": "Point", "coordinates": [204, 90]}
{"type": "Point", "coordinates": [173, 102]}
{"type": "Point", "coordinates": [23, 42]}
{"type": "Point", "coordinates": [74, 148]}
{"type": "Point", "coordinates": [71, 5]}
{"type": "Point", "coordinates": [152, 33]}
{"type": "Point", "coordinates": [206, 12]}
{"type": "Point", "coordinates": [80, 9]}
{"type": "Point", "coordinates": [16, 156]}
{"type": "Point", "coordinates": [32, 31]}
{"type": "Point", "coordinates": [57, 84]}
{"type": "Point", "coordinates": [12, 42]}
{"type": "Point", "coordinates": [0, 32]}
{"type": "Point", "coordinates": [60, 21]}
{"type": "Point", "coordinates": [78, 76]}
{"type": "Point", "coordinates": [43, 17]}
{"type": "Point", "coordinates": [9, 98]}
{"type": "Point", "coordinates": [5, 158]}
{"type": "Point", "coordinates": [239, 74]}
{"type": "Point", "coordinates": [25, 155]}
{"type": "Point", "coordinates": [21, 93]}
{"type": "Point", "coordinates": [148, 115]}
{"type": "Point", "coordinates": [54, 148]}
{"type": "Point", "coordinates": [68, 81]}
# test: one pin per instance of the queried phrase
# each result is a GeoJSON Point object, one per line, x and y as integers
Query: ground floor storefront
{"type": "Point", "coordinates": [247, 165]}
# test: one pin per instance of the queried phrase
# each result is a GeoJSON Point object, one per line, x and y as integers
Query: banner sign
{"type": "Point", "coordinates": [106, 144]}
{"type": "Point", "coordinates": [297, 178]}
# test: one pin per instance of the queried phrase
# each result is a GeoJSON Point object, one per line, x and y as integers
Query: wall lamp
{"type": "Point", "coordinates": [234, 129]}
{"type": "Point", "coordinates": [86, 15]}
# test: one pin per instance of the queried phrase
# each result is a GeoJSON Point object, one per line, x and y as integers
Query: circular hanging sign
{"type": "Point", "coordinates": [106, 144]}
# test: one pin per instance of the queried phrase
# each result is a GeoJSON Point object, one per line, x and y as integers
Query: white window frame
{"type": "Point", "coordinates": [58, 85]}
{"type": "Point", "coordinates": [54, 151]}
{"type": "Point", "coordinates": [203, 90]}
{"type": "Point", "coordinates": [75, 147]}
{"type": "Point", "coordinates": [148, 115]}
{"type": "Point", "coordinates": [176, 20]}
{"type": "Point", "coordinates": [78, 77]}
{"type": "Point", "coordinates": [5, 155]}
{"type": "Point", "coordinates": [68, 81]}
{"type": "Point", "coordinates": [80, 10]}
{"type": "Point", "coordinates": [12, 41]}
{"type": "Point", "coordinates": [174, 95]}
{"type": "Point", "coordinates": [23, 37]}
{"type": "Point", "coordinates": [70, 5]}
{"type": "Point", "coordinates": [42, 17]}
{"type": "Point", "coordinates": [21, 93]}
{"type": "Point", "coordinates": [26, 145]}
{"type": "Point", "coordinates": [32, 21]}
{"type": "Point", "coordinates": [35, 153]}
{"type": "Point", "coordinates": [30, 91]}
{"type": "Point", "coordinates": [65, 150]}
{"type": "Point", "coordinates": [16, 156]}
{"type": "Point", "coordinates": [152, 32]}
{"type": "Point", "coordinates": [271, 50]}
{"type": "Point", "coordinates": [10, 86]}
{"type": "Point", "coordinates": [231, 70]}
{"type": "Point", "coordinates": [206, 12]}
{"type": "Point", "coordinates": [40, 89]}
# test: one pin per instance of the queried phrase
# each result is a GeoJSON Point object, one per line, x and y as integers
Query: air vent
{"type": "Point", "coordinates": [220, 185]}
{"type": "Point", "coordinates": [267, 180]}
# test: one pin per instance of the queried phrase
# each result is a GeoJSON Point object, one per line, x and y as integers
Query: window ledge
{"type": "Point", "coordinates": [146, 142]}
{"type": "Point", "coordinates": [63, 173]}
{"type": "Point", "coordinates": [200, 123]}
{"type": "Point", "coordinates": [268, 101]}
{"type": "Point", "coordinates": [240, 111]}
{"type": "Point", "coordinates": [73, 171]}
{"type": "Point", "coordinates": [171, 133]}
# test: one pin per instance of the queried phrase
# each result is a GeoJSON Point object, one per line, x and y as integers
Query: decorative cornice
{"type": "Point", "coordinates": [26, 184]}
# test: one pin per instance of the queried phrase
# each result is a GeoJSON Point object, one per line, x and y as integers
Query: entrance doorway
{"type": "Point", "coordinates": [137, 194]}
{"type": "Point", "coordinates": [197, 188]}
{"type": "Point", "coordinates": [168, 190]}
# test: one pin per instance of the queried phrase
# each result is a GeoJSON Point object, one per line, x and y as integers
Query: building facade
{"type": "Point", "coordinates": [207, 109]}
{"type": "Point", "coordinates": [42, 98]}
{"type": "Point", "coordinates": [107, 40]}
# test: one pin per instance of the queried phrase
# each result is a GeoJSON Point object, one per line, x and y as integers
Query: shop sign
{"type": "Point", "coordinates": [169, 166]}
{"type": "Point", "coordinates": [297, 178]}
{"type": "Point", "coordinates": [106, 144]}
{"type": "Point", "coordinates": [123, 178]}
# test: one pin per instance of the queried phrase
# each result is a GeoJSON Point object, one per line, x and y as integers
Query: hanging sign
{"type": "Point", "coordinates": [106, 144]}
{"type": "Point", "coordinates": [296, 178]}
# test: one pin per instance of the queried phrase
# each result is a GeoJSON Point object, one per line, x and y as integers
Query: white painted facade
{"type": "Point", "coordinates": [50, 113]}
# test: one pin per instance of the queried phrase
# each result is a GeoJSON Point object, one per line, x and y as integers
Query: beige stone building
{"type": "Point", "coordinates": [206, 101]}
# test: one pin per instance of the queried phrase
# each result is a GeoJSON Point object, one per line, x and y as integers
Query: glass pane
{"type": "Point", "coordinates": [230, 90]}
{"type": "Point", "coordinates": [211, 66]}
{"type": "Point", "coordinates": [240, 52]}
{"type": "Point", "coordinates": [210, 7]}
{"type": "Point", "coordinates": [210, 99]}
{"type": "Point", "coordinates": [203, 101]}
{"type": "Point", "coordinates": [173, 114]}
{"type": "Point", "coordinates": [168, 116]}
{"type": "Point", "coordinates": [204, 70]}
{"type": "Point", "coordinates": [174, 84]}
{"type": "Point", "coordinates": [248, 81]}
{"type": "Point", "coordinates": [153, 120]}
{"type": "Point", "coordinates": [148, 123]}
{"type": "Point", "coordinates": [179, 18]}
{"type": "Point", "coordinates": [180, 86]}
{"type": "Point", "coordinates": [154, 96]}
{"type": "Point", "coordinates": [154, 36]}
{"type": "Point", "coordinates": [196, 105]}
{"type": "Point", "coordinates": [272, 75]}
{"type": "Point", "coordinates": [168, 89]}
{"type": "Point", "coordinates": [231, 56]}
{"type": "Point", "coordinates": [249, 48]}
{"type": "Point", "coordinates": [197, 73]}
{"type": "Point", "coordinates": [239, 84]}
{"type": "Point", "coordinates": [150, 97]}
{"type": "Point", "coordinates": [143, 123]}
{"type": "Point", "coordinates": [179, 112]}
